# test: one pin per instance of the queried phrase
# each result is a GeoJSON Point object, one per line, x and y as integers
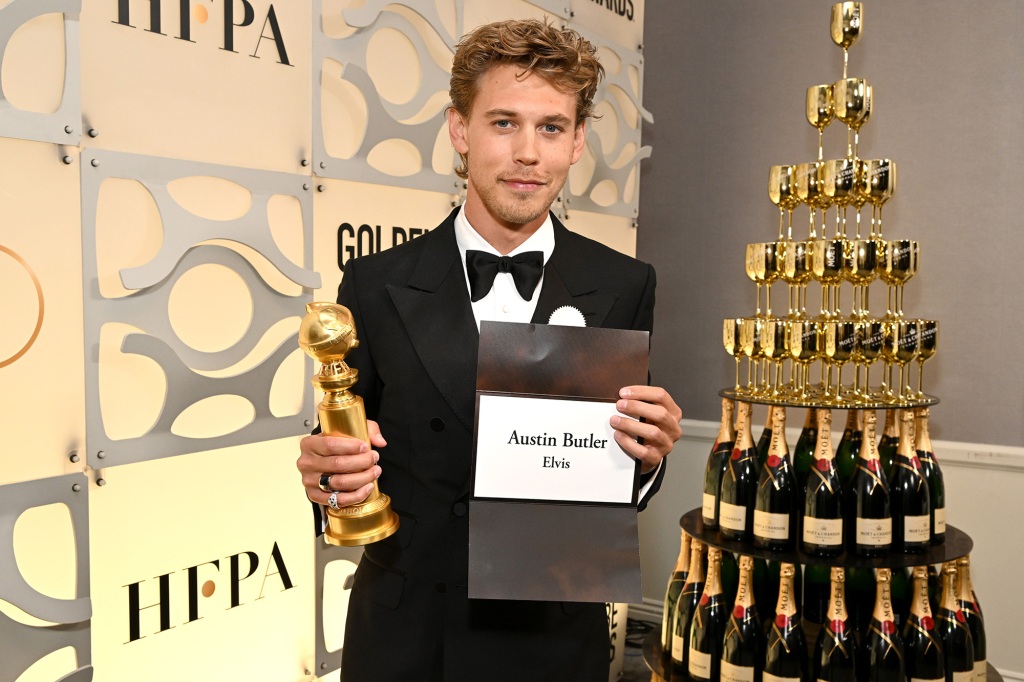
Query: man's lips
{"type": "Point", "coordinates": [523, 184]}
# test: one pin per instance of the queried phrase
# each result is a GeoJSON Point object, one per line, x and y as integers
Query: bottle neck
{"type": "Point", "coordinates": [921, 607]}
{"type": "Point", "coordinates": [837, 597]}
{"type": "Point", "coordinates": [883, 597]}
{"type": "Point", "coordinates": [906, 446]}
{"type": "Point", "coordinates": [823, 448]}
{"type": "Point", "coordinates": [948, 599]}
{"type": "Point", "coordinates": [811, 419]}
{"type": "Point", "coordinates": [787, 603]}
{"type": "Point", "coordinates": [726, 434]}
{"type": "Point", "coordinates": [923, 440]}
{"type": "Point", "coordinates": [696, 574]}
{"type": "Point", "coordinates": [744, 438]}
{"type": "Point", "coordinates": [964, 588]}
{"type": "Point", "coordinates": [683, 560]}
{"type": "Point", "coordinates": [851, 420]}
{"type": "Point", "coordinates": [778, 446]}
{"type": "Point", "coordinates": [713, 583]}
{"type": "Point", "coordinates": [745, 590]}
{"type": "Point", "coordinates": [892, 424]}
{"type": "Point", "coordinates": [869, 446]}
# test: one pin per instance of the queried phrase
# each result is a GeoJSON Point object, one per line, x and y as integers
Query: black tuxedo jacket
{"type": "Point", "coordinates": [409, 615]}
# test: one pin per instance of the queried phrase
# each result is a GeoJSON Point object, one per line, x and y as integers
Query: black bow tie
{"type": "Point", "coordinates": [482, 267]}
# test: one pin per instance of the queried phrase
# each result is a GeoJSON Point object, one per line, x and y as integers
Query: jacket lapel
{"type": "Point", "coordinates": [569, 280]}
{"type": "Point", "coordinates": [435, 309]}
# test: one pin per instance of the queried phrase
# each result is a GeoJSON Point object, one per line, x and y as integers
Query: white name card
{"type": "Point", "coordinates": [530, 448]}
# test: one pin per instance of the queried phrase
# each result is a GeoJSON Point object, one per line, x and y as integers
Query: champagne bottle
{"type": "Point", "coordinates": [765, 441]}
{"type": "Point", "coordinates": [685, 607]}
{"type": "Point", "coordinates": [849, 446]}
{"type": "Point", "coordinates": [817, 585]}
{"type": "Point", "coordinates": [717, 461]}
{"type": "Point", "coordinates": [786, 654]}
{"type": "Point", "coordinates": [776, 494]}
{"type": "Point", "coordinates": [823, 505]}
{"type": "Point", "coordinates": [883, 646]}
{"type": "Point", "coordinates": [890, 440]}
{"type": "Point", "coordinates": [921, 646]}
{"type": "Point", "coordinates": [739, 483]}
{"type": "Point", "coordinates": [957, 645]}
{"type": "Point", "coordinates": [803, 460]}
{"type": "Point", "coordinates": [968, 603]}
{"type": "Point", "coordinates": [872, 519]}
{"type": "Point", "coordinates": [707, 632]}
{"type": "Point", "coordinates": [675, 586]}
{"type": "Point", "coordinates": [933, 474]}
{"type": "Point", "coordinates": [909, 497]}
{"type": "Point", "coordinates": [743, 645]}
{"type": "Point", "coordinates": [835, 651]}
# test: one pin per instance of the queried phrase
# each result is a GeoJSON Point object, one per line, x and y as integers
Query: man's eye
{"type": "Point", "coordinates": [551, 128]}
{"type": "Point", "coordinates": [503, 124]}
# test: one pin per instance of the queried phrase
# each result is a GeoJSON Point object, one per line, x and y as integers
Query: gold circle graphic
{"type": "Point", "coordinates": [39, 293]}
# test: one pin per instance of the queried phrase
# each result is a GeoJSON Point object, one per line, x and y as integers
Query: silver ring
{"type": "Point", "coordinates": [325, 483]}
{"type": "Point", "coordinates": [332, 502]}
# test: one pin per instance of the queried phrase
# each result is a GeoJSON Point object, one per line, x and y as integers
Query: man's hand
{"type": "Point", "coordinates": [351, 463]}
{"type": "Point", "coordinates": [659, 430]}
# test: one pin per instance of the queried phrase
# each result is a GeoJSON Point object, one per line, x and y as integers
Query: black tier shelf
{"type": "Point", "coordinates": [957, 544]}
{"type": "Point", "coordinates": [733, 394]}
{"type": "Point", "coordinates": [659, 664]}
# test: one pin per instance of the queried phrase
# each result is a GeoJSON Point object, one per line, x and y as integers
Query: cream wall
{"type": "Point", "coordinates": [177, 179]}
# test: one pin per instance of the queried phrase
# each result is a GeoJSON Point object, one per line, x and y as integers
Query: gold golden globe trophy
{"type": "Point", "coordinates": [327, 334]}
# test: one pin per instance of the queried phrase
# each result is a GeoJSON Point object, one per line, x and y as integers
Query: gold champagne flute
{"type": "Point", "coordinates": [839, 183]}
{"type": "Point", "coordinates": [797, 272]}
{"type": "Point", "coordinates": [731, 333]}
{"type": "Point", "coordinates": [860, 269]}
{"type": "Point", "coordinates": [782, 193]}
{"type": "Point", "coordinates": [870, 339]}
{"type": "Point", "coordinates": [907, 344]}
{"type": "Point", "coordinates": [928, 343]}
{"type": "Point", "coordinates": [827, 265]}
{"type": "Point", "coordinates": [805, 343]}
{"type": "Point", "coordinates": [854, 102]}
{"type": "Point", "coordinates": [845, 27]}
{"type": "Point", "coordinates": [753, 265]}
{"type": "Point", "coordinates": [900, 264]}
{"type": "Point", "coordinates": [750, 343]}
{"type": "Point", "coordinates": [775, 347]}
{"type": "Point", "coordinates": [839, 343]}
{"type": "Point", "coordinates": [808, 189]}
{"type": "Point", "coordinates": [879, 184]}
{"type": "Point", "coordinates": [820, 110]}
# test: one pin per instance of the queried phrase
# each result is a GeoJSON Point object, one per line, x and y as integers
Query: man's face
{"type": "Point", "coordinates": [520, 139]}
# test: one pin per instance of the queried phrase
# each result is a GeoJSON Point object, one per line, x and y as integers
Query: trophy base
{"type": "Point", "coordinates": [361, 524]}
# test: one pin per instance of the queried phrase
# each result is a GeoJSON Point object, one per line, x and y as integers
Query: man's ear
{"type": "Point", "coordinates": [578, 141]}
{"type": "Point", "coordinates": [457, 131]}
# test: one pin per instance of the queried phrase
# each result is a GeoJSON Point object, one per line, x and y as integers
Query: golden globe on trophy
{"type": "Point", "coordinates": [327, 334]}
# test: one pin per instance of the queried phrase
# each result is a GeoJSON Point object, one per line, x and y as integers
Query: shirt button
{"type": "Point", "coordinates": [504, 308]}
{"type": "Point", "coordinates": [437, 424]}
{"type": "Point", "coordinates": [459, 509]}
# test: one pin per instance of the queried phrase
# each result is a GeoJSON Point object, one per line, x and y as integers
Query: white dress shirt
{"type": "Point", "coordinates": [503, 302]}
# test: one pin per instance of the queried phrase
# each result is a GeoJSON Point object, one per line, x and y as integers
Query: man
{"type": "Point", "coordinates": [521, 94]}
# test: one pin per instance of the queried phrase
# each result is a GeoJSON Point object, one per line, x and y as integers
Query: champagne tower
{"type": "Point", "coordinates": [846, 350]}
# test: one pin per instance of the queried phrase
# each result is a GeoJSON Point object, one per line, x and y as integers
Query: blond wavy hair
{"type": "Point", "coordinates": [562, 57]}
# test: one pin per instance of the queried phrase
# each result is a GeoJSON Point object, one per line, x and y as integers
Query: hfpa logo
{"type": "Point", "coordinates": [275, 579]}
{"type": "Point", "coordinates": [269, 31]}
